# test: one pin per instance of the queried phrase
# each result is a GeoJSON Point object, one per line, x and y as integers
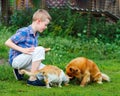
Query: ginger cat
{"type": "Point", "coordinates": [51, 74]}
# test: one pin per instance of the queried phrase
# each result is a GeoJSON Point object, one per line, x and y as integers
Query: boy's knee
{"type": "Point", "coordinates": [39, 51]}
{"type": "Point", "coordinates": [40, 48]}
{"type": "Point", "coordinates": [38, 54]}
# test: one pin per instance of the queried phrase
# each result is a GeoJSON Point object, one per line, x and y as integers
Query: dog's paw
{"type": "Point", "coordinates": [99, 82]}
{"type": "Point", "coordinates": [82, 85]}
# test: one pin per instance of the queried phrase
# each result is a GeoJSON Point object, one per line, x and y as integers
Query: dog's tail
{"type": "Point", "coordinates": [105, 77]}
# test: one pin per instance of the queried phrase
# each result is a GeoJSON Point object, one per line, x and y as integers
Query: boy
{"type": "Point", "coordinates": [25, 52]}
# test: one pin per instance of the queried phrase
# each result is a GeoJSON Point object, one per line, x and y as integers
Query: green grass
{"type": "Point", "coordinates": [10, 87]}
{"type": "Point", "coordinates": [107, 57]}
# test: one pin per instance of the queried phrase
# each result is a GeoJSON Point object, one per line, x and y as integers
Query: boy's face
{"type": "Point", "coordinates": [42, 25]}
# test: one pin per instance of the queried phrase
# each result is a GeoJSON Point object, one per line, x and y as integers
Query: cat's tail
{"type": "Point", "coordinates": [105, 77]}
{"type": "Point", "coordinates": [22, 71]}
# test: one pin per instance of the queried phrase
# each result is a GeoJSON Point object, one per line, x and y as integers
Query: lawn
{"type": "Point", "coordinates": [106, 56]}
{"type": "Point", "coordinates": [10, 87]}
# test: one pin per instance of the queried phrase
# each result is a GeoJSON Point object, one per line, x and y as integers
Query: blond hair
{"type": "Point", "coordinates": [41, 14]}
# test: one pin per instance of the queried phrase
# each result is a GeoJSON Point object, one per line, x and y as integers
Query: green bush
{"type": "Point", "coordinates": [71, 23]}
{"type": "Point", "coordinates": [22, 18]}
{"type": "Point", "coordinates": [104, 31]}
{"type": "Point", "coordinates": [5, 33]}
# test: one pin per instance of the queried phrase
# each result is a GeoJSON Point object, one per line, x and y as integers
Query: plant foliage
{"type": "Point", "coordinates": [72, 23]}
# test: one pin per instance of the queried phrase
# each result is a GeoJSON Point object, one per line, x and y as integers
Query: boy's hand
{"type": "Point", "coordinates": [28, 50]}
{"type": "Point", "coordinates": [47, 49]}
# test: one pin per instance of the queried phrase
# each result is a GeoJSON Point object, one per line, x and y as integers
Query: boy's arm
{"type": "Point", "coordinates": [12, 45]}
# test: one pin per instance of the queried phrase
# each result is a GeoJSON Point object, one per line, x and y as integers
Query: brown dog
{"type": "Point", "coordinates": [85, 70]}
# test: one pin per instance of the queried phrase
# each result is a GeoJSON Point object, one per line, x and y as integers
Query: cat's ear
{"type": "Point", "coordinates": [69, 76]}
